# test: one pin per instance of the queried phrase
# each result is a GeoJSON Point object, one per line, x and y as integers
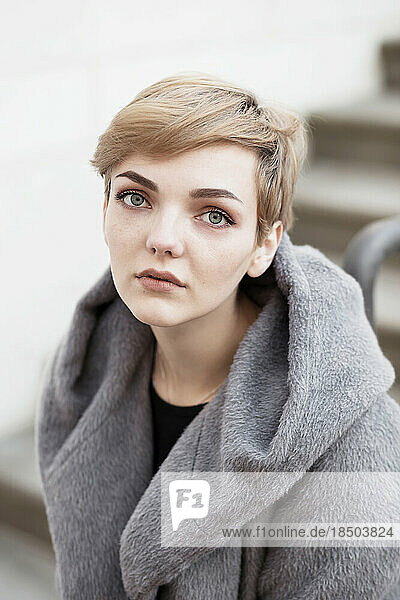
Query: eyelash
{"type": "Point", "coordinates": [121, 195]}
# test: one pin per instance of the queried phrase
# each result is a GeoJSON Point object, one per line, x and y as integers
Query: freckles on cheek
{"type": "Point", "coordinates": [233, 261]}
{"type": "Point", "coordinates": [222, 266]}
{"type": "Point", "coordinates": [235, 252]}
{"type": "Point", "coordinates": [120, 235]}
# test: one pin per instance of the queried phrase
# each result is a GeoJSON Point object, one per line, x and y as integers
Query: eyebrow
{"type": "Point", "coordinates": [197, 193]}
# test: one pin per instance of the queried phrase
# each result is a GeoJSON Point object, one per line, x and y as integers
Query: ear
{"type": "Point", "coordinates": [263, 255]}
{"type": "Point", "coordinates": [104, 219]}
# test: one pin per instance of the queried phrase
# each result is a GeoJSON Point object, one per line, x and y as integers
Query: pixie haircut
{"type": "Point", "coordinates": [192, 110]}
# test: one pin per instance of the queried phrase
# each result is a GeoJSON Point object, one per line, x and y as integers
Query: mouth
{"type": "Point", "coordinates": [157, 278]}
{"type": "Point", "coordinates": [155, 284]}
{"type": "Point", "coordinates": [156, 275]}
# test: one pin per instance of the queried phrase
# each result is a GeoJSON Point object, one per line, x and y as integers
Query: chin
{"type": "Point", "coordinates": [156, 318]}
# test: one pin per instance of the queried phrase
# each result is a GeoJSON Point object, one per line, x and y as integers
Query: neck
{"type": "Point", "coordinates": [193, 358]}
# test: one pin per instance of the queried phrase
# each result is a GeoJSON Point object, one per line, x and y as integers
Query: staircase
{"type": "Point", "coordinates": [352, 178]}
{"type": "Point", "coordinates": [27, 564]}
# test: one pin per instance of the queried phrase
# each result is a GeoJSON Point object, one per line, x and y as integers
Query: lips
{"type": "Point", "coordinates": [163, 275]}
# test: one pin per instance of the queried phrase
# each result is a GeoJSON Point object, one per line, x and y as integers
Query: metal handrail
{"type": "Point", "coordinates": [366, 252]}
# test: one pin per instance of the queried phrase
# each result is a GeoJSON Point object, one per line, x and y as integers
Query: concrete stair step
{"type": "Point", "coordinates": [335, 199]}
{"type": "Point", "coordinates": [368, 131]}
{"type": "Point", "coordinates": [27, 567]}
{"type": "Point", "coordinates": [394, 391]}
{"type": "Point", "coordinates": [390, 60]}
{"type": "Point", "coordinates": [21, 503]}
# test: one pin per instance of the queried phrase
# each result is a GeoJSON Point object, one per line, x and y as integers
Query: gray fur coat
{"type": "Point", "coordinates": [307, 391]}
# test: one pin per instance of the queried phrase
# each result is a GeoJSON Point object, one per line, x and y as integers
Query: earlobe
{"type": "Point", "coordinates": [260, 262]}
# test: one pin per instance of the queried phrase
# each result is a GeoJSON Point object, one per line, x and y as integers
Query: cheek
{"type": "Point", "coordinates": [224, 262]}
{"type": "Point", "coordinates": [120, 237]}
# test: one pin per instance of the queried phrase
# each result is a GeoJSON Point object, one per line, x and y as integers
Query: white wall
{"type": "Point", "coordinates": [67, 69]}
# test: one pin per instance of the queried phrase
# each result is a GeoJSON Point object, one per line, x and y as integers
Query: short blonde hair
{"type": "Point", "coordinates": [191, 110]}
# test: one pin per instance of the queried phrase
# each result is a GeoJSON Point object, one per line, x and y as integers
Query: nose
{"type": "Point", "coordinates": [165, 235]}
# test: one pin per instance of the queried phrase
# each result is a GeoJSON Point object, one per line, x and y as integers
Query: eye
{"type": "Point", "coordinates": [216, 216]}
{"type": "Point", "coordinates": [137, 198]}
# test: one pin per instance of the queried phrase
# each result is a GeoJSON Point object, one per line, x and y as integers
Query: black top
{"type": "Point", "coordinates": [169, 421]}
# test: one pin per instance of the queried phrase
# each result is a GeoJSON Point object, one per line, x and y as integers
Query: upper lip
{"type": "Point", "coordinates": [166, 275]}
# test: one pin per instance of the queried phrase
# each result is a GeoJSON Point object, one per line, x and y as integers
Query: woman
{"type": "Point", "coordinates": [211, 343]}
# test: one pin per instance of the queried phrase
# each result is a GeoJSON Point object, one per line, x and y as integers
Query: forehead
{"type": "Point", "coordinates": [225, 165]}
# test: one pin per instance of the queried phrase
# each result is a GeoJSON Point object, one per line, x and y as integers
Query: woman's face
{"type": "Point", "coordinates": [194, 215]}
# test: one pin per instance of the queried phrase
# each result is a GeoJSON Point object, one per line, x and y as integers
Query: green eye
{"type": "Point", "coordinates": [215, 216]}
{"type": "Point", "coordinates": [123, 195]}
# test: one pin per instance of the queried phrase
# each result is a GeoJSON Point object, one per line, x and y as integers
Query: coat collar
{"type": "Point", "coordinates": [304, 372]}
